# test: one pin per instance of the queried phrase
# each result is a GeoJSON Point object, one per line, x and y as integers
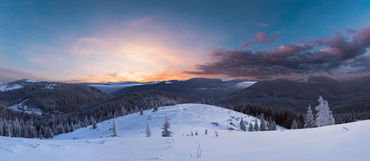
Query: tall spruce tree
{"type": "Point", "coordinates": [250, 127]}
{"type": "Point", "coordinates": [147, 130]}
{"type": "Point", "coordinates": [309, 121]}
{"type": "Point", "coordinates": [263, 124]}
{"type": "Point", "coordinates": [272, 125]}
{"type": "Point", "coordinates": [115, 130]}
{"type": "Point", "coordinates": [256, 127]}
{"type": "Point", "coordinates": [94, 126]}
{"type": "Point", "coordinates": [294, 124]}
{"type": "Point", "coordinates": [166, 126]}
{"type": "Point", "coordinates": [242, 125]}
{"type": "Point", "coordinates": [324, 116]}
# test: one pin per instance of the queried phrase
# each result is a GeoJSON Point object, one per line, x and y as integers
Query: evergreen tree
{"type": "Point", "coordinates": [115, 130]}
{"type": "Point", "coordinates": [309, 121]}
{"type": "Point", "coordinates": [39, 134]}
{"type": "Point", "coordinates": [294, 125]}
{"type": "Point", "coordinates": [242, 125]}
{"type": "Point", "coordinates": [155, 108]}
{"type": "Point", "coordinates": [147, 130]}
{"type": "Point", "coordinates": [250, 127]}
{"type": "Point", "coordinates": [166, 127]}
{"type": "Point", "coordinates": [94, 125]}
{"type": "Point", "coordinates": [324, 116]}
{"type": "Point", "coordinates": [263, 124]}
{"type": "Point", "coordinates": [273, 126]}
{"type": "Point", "coordinates": [256, 127]}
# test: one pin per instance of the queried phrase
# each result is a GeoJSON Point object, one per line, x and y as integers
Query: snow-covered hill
{"type": "Point", "coordinates": [184, 119]}
{"type": "Point", "coordinates": [345, 142]}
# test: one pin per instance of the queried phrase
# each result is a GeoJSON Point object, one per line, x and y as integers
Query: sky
{"type": "Point", "coordinates": [108, 41]}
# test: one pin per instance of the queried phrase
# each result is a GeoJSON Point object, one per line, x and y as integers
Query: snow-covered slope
{"type": "Point", "coordinates": [184, 119]}
{"type": "Point", "coordinates": [345, 142]}
{"type": "Point", "coordinates": [8, 87]}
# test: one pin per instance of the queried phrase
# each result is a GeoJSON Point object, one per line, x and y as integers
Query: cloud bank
{"type": "Point", "coordinates": [337, 54]}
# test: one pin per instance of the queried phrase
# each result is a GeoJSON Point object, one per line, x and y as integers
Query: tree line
{"type": "Point", "coordinates": [20, 124]}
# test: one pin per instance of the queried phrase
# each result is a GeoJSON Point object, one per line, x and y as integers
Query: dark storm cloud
{"type": "Point", "coordinates": [322, 55]}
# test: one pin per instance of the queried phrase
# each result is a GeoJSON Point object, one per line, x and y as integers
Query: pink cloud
{"type": "Point", "coordinates": [325, 55]}
{"type": "Point", "coordinates": [350, 31]}
{"type": "Point", "coordinates": [244, 44]}
{"type": "Point", "coordinates": [262, 37]}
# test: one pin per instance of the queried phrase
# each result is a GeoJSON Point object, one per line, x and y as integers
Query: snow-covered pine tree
{"type": "Point", "coordinates": [309, 121]}
{"type": "Point", "coordinates": [166, 126]}
{"type": "Point", "coordinates": [272, 125]}
{"type": "Point", "coordinates": [256, 127]}
{"type": "Point", "coordinates": [115, 130]}
{"type": "Point", "coordinates": [263, 124]}
{"type": "Point", "coordinates": [294, 125]}
{"type": "Point", "coordinates": [94, 125]}
{"type": "Point", "coordinates": [155, 108]}
{"type": "Point", "coordinates": [242, 125]}
{"type": "Point", "coordinates": [324, 116]}
{"type": "Point", "coordinates": [250, 127]}
{"type": "Point", "coordinates": [147, 130]}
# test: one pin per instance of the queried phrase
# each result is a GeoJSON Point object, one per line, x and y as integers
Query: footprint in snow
{"type": "Point", "coordinates": [344, 129]}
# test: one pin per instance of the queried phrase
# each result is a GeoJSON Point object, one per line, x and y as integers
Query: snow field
{"type": "Point", "coordinates": [345, 142]}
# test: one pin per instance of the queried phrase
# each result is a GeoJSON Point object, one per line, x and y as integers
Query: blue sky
{"type": "Point", "coordinates": [157, 40]}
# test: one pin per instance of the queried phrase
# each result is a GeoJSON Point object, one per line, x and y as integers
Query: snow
{"type": "Point", "coordinates": [9, 87]}
{"type": "Point", "coordinates": [226, 79]}
{"type": "Point", "coordinates": [185, 118]}
{"type": "Point", "coordinates": [344, 142]}
{"type": "Point", "coordinates": [31, 81]}
{"type": "Point", "coordinates": [245, 84]}
{"type": "Point", "coordinates": [50, 86]}
{"type": "Point", "coordinates": [305, 80]}
{"type": "Point", "coordinates": [19, 106]}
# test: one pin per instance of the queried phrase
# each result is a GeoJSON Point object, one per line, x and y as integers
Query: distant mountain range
{"type": "Point", "coordinates": [350, 95]}
{"type": "Point", "coordinates": [204, 90]}
{"type": "Point", "coordinates": [343, 96]}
